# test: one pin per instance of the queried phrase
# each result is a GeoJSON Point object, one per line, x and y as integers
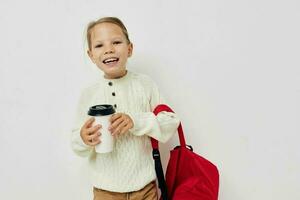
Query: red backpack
{"type": "Point", "coordinates": [189, 176]}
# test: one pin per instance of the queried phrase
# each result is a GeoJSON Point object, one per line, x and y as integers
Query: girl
{"type": "Point", "coordinates": [128, 171]}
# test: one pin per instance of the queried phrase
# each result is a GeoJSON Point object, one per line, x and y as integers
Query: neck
{"type": "Point", "coordinates": [116, 76]}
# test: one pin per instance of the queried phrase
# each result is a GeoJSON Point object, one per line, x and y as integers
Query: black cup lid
{"type": "Point", "coordinates": [101, 110]}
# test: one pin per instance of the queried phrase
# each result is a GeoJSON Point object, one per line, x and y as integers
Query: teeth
{"type": "Point", "coordinates": [110, 60]}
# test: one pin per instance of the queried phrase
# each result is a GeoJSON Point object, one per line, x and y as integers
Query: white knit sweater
{"type": "Point", "coordinates": [130, 166]}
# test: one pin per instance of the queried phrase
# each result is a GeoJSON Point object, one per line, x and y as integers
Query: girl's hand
{"type": "Point", "coordinates": [120, 124]}
{"type": "Point", "coordinates": [90, 134]}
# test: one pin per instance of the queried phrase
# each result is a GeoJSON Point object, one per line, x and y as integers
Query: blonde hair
{"type": "Point", "coordinates": [113, 20]}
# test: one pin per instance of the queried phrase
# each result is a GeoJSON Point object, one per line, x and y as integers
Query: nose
{"type": "Point", "coordinates": [109, 49]}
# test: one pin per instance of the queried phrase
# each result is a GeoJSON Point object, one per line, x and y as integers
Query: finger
{"type": "Point", "coordinates": [115, 124]}
{"type": "Point", "coordinates": [87, 138]}
{"type": "Point", "coordinates": [94, 136]}
{"type": "Point", "coordinates": [125, 128]}
{"type": "Point", "coordinates": [92, 130]}
{"type": "Point", "coordinates": [115, 116]}
{"type": "Point", "coordinates": [89, 122]}
{"type": "Point", "coordinates": [126, 125]}
{"type": "Point", "coordinates": [118, 130]}
{"type": "Point", "coordinates": [94, 142]}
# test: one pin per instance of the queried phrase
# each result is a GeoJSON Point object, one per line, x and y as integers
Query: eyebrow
{"type": "Point", "coordinates": [115, 38]}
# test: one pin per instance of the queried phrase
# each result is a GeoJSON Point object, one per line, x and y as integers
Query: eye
{"type": "Point", "coordinates": [98, 46]}
{"type": "Point", "coordinates": [117, 42]}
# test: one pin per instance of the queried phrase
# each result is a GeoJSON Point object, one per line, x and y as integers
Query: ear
{"type": "Point", "coordinates": [89, 52]}
{"type": "Point", "coordinates": [130, 49]}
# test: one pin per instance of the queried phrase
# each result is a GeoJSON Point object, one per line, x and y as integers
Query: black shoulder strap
{"type": "Point", "coordinates": [160, 174]}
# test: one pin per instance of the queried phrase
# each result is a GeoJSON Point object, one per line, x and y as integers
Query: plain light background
{"type": "Point", "coordinates": [230, 69]}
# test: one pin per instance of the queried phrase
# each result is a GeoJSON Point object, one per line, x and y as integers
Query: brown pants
{"type": "Point", "coordinates": [149, 192]}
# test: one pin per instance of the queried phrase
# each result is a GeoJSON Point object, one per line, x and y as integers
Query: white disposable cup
{"type": "Point", "coordinates": [102, 117]}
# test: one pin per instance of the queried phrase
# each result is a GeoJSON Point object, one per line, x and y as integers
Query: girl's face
{"type": "Point", "coordinates": [109, 49]}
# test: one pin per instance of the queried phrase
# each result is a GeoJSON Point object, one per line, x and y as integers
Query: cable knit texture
{"type": "Point", "coordinates": [130, 166]}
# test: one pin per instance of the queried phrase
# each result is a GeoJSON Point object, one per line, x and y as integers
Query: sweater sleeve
{"type": "Point", "coordinates": [77, 144]}
{"type": "Point", "coordinates": [160, 127]}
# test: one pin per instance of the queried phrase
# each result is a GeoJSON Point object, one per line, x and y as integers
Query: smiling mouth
{"type": "Point", "coordinates": [110, 60]}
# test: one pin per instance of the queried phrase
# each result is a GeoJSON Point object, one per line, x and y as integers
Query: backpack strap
{"type": "Point", "coordinates": [156, 155]}
{"type": "Point", "coordinates": [157, 110]}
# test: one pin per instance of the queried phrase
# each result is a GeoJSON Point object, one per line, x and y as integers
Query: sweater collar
{"type": "Point", "coordinates": [117, 80]}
